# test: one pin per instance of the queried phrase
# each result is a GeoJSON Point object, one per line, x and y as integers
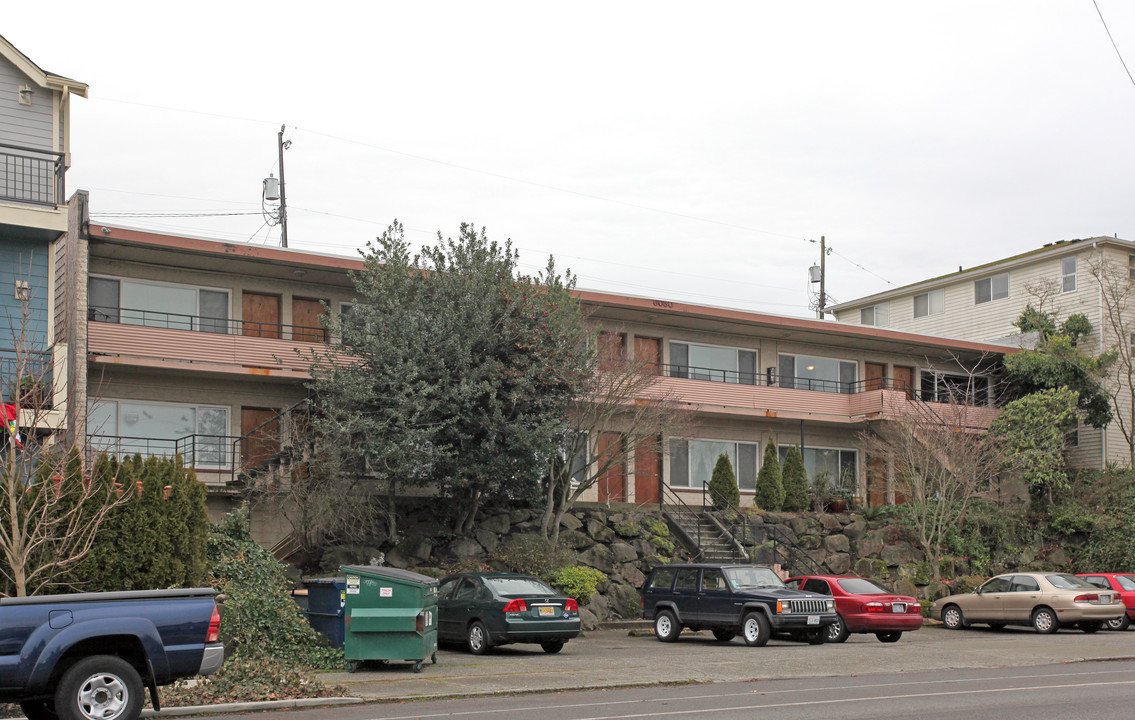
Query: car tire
{"type": "Point", "coordinates": [666, 627]}
{"type": "Point", "coordinates": [996, 626]}
{"type": "Point", "coordinates": [1091, 627]}
{"type": "Point", "coordinates": [1119, 624]}
{"type": "Point", "coordinates": [38, 710]}
{"type": "Point", "coordinates": [102, 686]}
{"type": "Point", "coordinates": [1044, 621]}
{"type": "Point", "coordinates": [477, 638]}
{"type": "Point", "coordinates": [755, 630]}
{"type": "Point", "coordinates": [552, 647]}
{"type": "Point", "coordinates": [953, 617]}
{"type": "Point", "coordinates": [837, 631]}
{"type": "Point", "coordinates": [724, 635]}
{"type": "Point", "coordinates": [814, 637]}
{"type": "Point", "coordinates": [889, 637]}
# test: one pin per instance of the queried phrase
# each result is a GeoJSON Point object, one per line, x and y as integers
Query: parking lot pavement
{"type": "Point", "coordinates": [612, 658]}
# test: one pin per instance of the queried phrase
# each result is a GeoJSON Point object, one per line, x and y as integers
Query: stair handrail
{"type": "Point", "coordinates": [681, 508]}
{"type": "Point", "coordinates": [789, 555]}
{"type": "Point", "coordinates": [733, 521]}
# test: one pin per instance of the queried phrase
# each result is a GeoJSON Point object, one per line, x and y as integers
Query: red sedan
{"type": "Point", "coordinates": [1122, 583]}
{"type": "Point", "coordinates": [863, 607]}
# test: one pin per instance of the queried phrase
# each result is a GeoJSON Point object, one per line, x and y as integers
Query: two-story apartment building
{"type": "Point", "coordinates": [981, 303]}
{"type": "Point", "coordinates": [34, 157]}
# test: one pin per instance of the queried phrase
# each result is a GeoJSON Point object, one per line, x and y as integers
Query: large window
{"type": "Point", "coordinates": [930, 303]}
{"type": "Point", "coordinates": [126, 427]}
{"type": "Point", "coordinates": [991, 288]}
{"type": "Point", "coordinates": [840, 466]}
{"type": "Point", "coordinates": [878, 315]}
{"type": "Point", "coordinates": [181, 307]}
{"type": "Point", "coordinates": [711, 362]}
{"type": "Point", "coordinates": [1068, 274]}
{"type": "Point", "coordinates": [692, 461]}
{"type": "Point", "coordinates": [805, 372]}
{"type": "Point", "coordinates": [955, 388]}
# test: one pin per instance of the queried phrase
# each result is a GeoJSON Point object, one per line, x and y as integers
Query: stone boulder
{"type": "Point", "coordinates": [900, 554]}
{"type": "Point", "coordinates": [839, 563]}
{"type": "Point", "coordinates": [871, 544]}
{"type": "Point", "coordinates": [837, 544]}
{"type": "Point", "coordinates": [588, 620]}
{"type": "Point", "coordinates": [499, 524]}
{"type": "Point", "coordinates": [632, 575]}
{"type": "Point", "coordinates": [489, 540]}
{"type": "Point", "coordinates": [570, 522]}
{"type": "Point", "coordinates": [599, 557]}
{"type": "Point", "coordinates": [465, 548]}
{"type": "Point", "coordinates": [623, 601]}
{"type": "Point", "coordinates": [599, 532]}
{"type": "Point", "coordinates": [623, 552]}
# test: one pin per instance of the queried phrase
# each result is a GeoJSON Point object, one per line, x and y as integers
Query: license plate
{"type": "Point", "coordinates": [547, 610]}
{"type": "Point", "coordinates": [813, 619]}
{"type": "Point", "coordinates": [1105, 598]}
{"type": "Point", "coordinates": [898, 607]}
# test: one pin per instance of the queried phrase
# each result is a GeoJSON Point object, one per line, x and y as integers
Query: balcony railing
{"type": "Point", "coordinates": [201, 452]}
{"type": "Point", "coordinates": [27, 381]}
{"type": "Point", "coordinates": [198, 323]}
{"type": "Point", "coordinates": [31, 176]}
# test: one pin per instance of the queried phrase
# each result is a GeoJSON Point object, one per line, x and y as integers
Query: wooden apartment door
{"type": "Point", "coordinates": [876, 482]}
{"type": "Point", "coordinates": [260, 314]}
{"type": "Point", "coordinates": [875, 372]}
{"type": "Point", "coordinates": [305, 320]}
{"type": "Point", "coordinates": [649, 352]}
{"type": "Point", "coordinates": [613, 483]}
{"type": "Point", "coordinates": [260, 428]}
{"type": "Point", "coordinates": [904, 377]}
{"type": "Point", "coordinates": [647, 470]}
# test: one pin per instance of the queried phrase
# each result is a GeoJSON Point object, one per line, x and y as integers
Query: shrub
{"type": "Point", "coordinates": [723, 484]}
{"type": "Point", "coordinates": [532, 554]}
{"type": "Point", "coordinates": [795, 480]}
{"type": "Point", "coordinates": [576, 581]}
{"type": "Point", "coordinates": [770, 488]}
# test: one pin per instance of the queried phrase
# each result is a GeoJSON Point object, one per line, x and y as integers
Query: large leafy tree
{"type": "Point", "coordinates": [1032, 431]}
{"type": "Point", "coordinates": [458, 372]}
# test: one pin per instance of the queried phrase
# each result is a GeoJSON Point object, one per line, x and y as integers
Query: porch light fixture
{"type": "Point", "coordinates": [25, 94]}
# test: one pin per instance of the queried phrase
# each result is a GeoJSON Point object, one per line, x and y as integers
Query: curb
{"type": "Point", "coordinates": [246, 706]}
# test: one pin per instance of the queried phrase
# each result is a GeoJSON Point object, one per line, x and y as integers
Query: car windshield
{"type": "Point", "coordinates": [1127, 582]}
{"type": "Point", "coordinates": [519, 586]}
{"type": "Point", "coordinates": [1069, 582]}
{"type": "Point", "coordinates": [752, 577]}
{"type": "Point", "coordinates": [861, 586]}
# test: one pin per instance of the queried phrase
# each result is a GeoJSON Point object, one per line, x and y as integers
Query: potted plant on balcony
{"type": "Point", "coordinates": [821, 490]}
{"type": "Point", "coordinates": [31, 392]}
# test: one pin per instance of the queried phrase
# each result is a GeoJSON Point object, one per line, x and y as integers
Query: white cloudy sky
{"type": "Point", "coordinates": [686, 151]}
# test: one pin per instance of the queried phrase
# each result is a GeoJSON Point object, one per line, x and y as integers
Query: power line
{"type": "Point", "coordinates": [1109, 37]}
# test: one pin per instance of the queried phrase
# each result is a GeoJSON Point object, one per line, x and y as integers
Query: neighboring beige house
{"type": "Point", "coordinates": [981, 303]}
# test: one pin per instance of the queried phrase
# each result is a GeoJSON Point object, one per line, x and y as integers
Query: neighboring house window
{"type": "Point", "coordinates": [710, 362]}
{"type": "Point", "coordinates": [692, 461]}
{"type": "Point", "coordinates": [805, 372]}
{"type": "Point", "coordinates": [1068, 274]}
{"type": "Point", "coordinates": [955, 388]}
{"type": "Point", "coordinates": [877, 315]}
{"type": "Point", "coordinates": [1131, 266]}
{"type": "Point", "coordinates": [840, 465]}
{"type": "Point", "coordinates": [576, 444]}
{"type": "Point", "coordinates": [991, 288]}
{"type": "Point", "coordinates": [930, 303]}
{"type": "Point", "coordinates": [165, 305]}
{"type": "Point", "coordinates": [125, 427]}
{"type": "Point", "coordinates": [1072, 437]}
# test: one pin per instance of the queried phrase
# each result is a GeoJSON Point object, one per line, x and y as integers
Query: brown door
{"type": "Point", "coordinates": [876, 482]}
{"type": "Point", "coordinates": [612, 350]}
{"type": "Point", "coordinates": [260, 428]}
{"type": "Point", "coordinates": [875, 373]}
{"type": "Point", "coordinates": [261, 315]}
{"type": "Point", "coordinates": [305, 320]}
{"type": "Point", "coordinates": [649, 352]}
{"type": "Point", "coordinates": [904, 379]}
{"type": "Point", "coordinates": [647, 470]}
{"type": "Point", "coordinates": [613, 482]}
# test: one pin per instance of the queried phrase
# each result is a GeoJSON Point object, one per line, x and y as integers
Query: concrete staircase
{"type": "Point", "coordinates": [705, 538]}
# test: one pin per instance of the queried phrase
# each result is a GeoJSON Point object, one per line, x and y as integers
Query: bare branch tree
{"type": "Point", "coordinates": [1114, 282]}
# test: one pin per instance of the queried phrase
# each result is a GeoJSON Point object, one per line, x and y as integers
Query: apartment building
{"type": "Point", "coordinates": [981, 303]}
{"type": "Point", "coordinates": [34, 157]}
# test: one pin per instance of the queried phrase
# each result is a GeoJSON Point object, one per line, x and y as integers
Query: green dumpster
{"type": "Point", "coordinates": [390, 614]}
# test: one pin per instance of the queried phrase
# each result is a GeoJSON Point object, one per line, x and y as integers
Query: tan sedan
{"type": "Point", "coordinates": [1047, 601]}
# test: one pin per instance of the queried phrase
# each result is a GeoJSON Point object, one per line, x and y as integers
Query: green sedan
{"type": "Point", "coordinates": [483, 610]}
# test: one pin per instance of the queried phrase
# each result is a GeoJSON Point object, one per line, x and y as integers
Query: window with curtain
{"type": "Point", "coordinates": [179, 307]}
{"type": "Point", "coordinates": [692, 462]}
{"type": "Point", "coordinates": [805, 372]}
{"type": "Point", "coordinates": [712, 362]}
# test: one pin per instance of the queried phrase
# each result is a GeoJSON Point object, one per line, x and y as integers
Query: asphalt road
{"type": "Point", "coordinates": [1099, 690]}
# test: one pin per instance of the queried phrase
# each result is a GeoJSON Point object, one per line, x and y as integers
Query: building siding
{"type": "Point", "coordinates": [26, 125]}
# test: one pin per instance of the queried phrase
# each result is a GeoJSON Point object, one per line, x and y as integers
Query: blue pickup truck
{"type": "Point", "coordinates": [91, 655]}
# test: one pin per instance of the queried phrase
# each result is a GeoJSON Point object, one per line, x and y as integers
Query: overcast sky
{"type": "Point", "coordinates": [687, 151]}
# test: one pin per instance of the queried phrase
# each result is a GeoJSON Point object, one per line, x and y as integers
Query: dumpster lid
{"type": "Point", "coordinates": [389, 572]}
{"type": "Point", "coordinates": [323, 580]}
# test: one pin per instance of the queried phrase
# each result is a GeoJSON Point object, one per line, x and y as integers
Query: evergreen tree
{"type": "Point", "coordinates": [723, 489]}
{"type": "Point", "coordinates": [770, 487]}
{"type": "Point", "coordinates": [795, 479]}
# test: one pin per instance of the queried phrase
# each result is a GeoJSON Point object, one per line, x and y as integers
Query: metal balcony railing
{"type": "Point", "coordinates": [201, 452]}
{"type": "Point", "coordinates": [198, 323]}
{"type": "Point", "coordinates": [26, 380]}
{"type": "Point", "coordinates": [31, 176]}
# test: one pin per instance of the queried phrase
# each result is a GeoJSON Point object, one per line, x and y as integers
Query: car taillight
{"type": "Point", "coordinates": [571, 605]}
{"type": "Point", "coordinates": [1093, 597]}
{"type": "Point", "coordinates": [517, 605]}
{"type": "Point", "coordinates": [214, 633]}
{"type": "Point", "coordinates": [914, 607]}
{"type": "Point", "coordinates": [873, 607]}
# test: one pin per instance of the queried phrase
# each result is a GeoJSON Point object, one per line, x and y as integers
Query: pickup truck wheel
{"type": "Point", "coordinates": [755, 629]}
{"type": "Point", "coordinates": [724, 635]}
{"type": "Point", "coordinates": [38, 710]}
{"type": "Point", "coordinates": [666, 627]}
{"type": "Point", "coordinates": [101, 687]}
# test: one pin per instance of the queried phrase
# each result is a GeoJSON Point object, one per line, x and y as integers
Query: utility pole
{"type": "Point", "coordinates": [284, 198]}
{"type": "Point", "coordinates": [823, 248]}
